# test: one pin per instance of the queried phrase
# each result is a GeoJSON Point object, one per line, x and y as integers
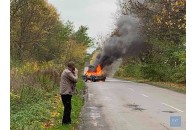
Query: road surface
{"type": "Point", "coordinates": [124, 105]}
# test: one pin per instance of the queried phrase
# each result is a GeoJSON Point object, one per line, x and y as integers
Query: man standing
{"type": "Point", "coordinates": [68, 82]}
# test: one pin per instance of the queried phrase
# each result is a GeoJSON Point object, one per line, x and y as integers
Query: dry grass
{"type": "Point", "coordinates": [168, 85]}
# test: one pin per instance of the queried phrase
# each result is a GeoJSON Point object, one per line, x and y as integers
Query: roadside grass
{"type": "Point", "coordinates": [37, 109]}
{"type": "Point", "coordinates": [168, 85]}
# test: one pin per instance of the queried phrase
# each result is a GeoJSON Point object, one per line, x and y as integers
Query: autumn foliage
{"type": "Point", "coordinates": [163, 26]}
{"type": "Point", "coordinates": [40, 45]}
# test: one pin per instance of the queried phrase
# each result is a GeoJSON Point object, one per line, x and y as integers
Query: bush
{"type": "Point", "coordinates": [156, 72]}
{"type": "Point", "coordinates": [30, 116]}
{"type": "Point", "coordinates": [130, 70]}
{"type": "Point", "coordinates": [31, 94]}
{"type": "Point", "coordinates": [179, 74]}
{"type": "Point", "coordinates": [133, 70]}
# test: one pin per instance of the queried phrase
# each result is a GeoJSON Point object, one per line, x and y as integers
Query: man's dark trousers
{"type": "Point", "coordinates": [66, 99]}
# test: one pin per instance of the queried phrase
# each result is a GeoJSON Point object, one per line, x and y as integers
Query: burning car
{"type": "Point", "coordinates": [94, 74]}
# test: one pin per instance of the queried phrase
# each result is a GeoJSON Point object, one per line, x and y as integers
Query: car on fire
{"type": "Point", "coordinates": [94, 74]}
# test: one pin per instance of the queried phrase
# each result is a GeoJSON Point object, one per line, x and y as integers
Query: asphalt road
{"type": "Point", "coordinates": [124, 105]}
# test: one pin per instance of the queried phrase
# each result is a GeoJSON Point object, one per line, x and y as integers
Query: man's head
{"type": "Point", "coordinates": [71, 65]}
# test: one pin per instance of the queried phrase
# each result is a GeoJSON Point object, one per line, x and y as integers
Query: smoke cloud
{"type": "Point", "coordinates": [125, 41]}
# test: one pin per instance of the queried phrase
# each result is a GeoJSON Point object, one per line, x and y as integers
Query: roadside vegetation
{"type": "Point", "coordinates": [163, 26]}
{"type": "Point", "coordinates": [40, 45]}
{"type": "Point", "coordinates": [35, 101]}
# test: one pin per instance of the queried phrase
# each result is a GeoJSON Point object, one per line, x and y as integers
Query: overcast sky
{"type": "Point", "coordinates": [96, 14]}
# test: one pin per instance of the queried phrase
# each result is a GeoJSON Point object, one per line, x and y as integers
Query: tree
{"type": "Point", "coordinates": [163, 26]}
{"type": "Point", "coordinates": [31, 22]}
{"type": "Point", "coordinates": [82, 37]}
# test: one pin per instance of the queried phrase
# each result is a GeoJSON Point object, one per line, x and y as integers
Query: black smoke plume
{"type": "Point", "coordinates": [125, 41]}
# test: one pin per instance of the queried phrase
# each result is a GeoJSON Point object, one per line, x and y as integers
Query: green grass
{"type": "Point", "coordinates": [168, 85]}
{"type": "Point", "coordinates": [37, 109]}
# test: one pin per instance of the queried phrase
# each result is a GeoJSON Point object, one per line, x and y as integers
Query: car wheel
{"type": "Point", "coordinates": [85, 80]}
{"type": "Point", "coordinates": [93, 79]}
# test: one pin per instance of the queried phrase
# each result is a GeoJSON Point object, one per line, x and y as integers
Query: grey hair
{"type": "Point", "coordinates": [70, 64]}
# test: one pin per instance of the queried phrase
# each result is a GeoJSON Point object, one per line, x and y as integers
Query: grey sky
{"type": "Point", "coordinates": [96, 14]}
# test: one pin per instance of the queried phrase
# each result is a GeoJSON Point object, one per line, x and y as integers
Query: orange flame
{"type": "Point", "coordinates": [97, 72]}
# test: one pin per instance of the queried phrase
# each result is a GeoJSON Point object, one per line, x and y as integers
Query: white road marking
{"type": "Point", "coordinates": [144, 95]}
{"type": "Point", "coordinates": [172, 107]}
